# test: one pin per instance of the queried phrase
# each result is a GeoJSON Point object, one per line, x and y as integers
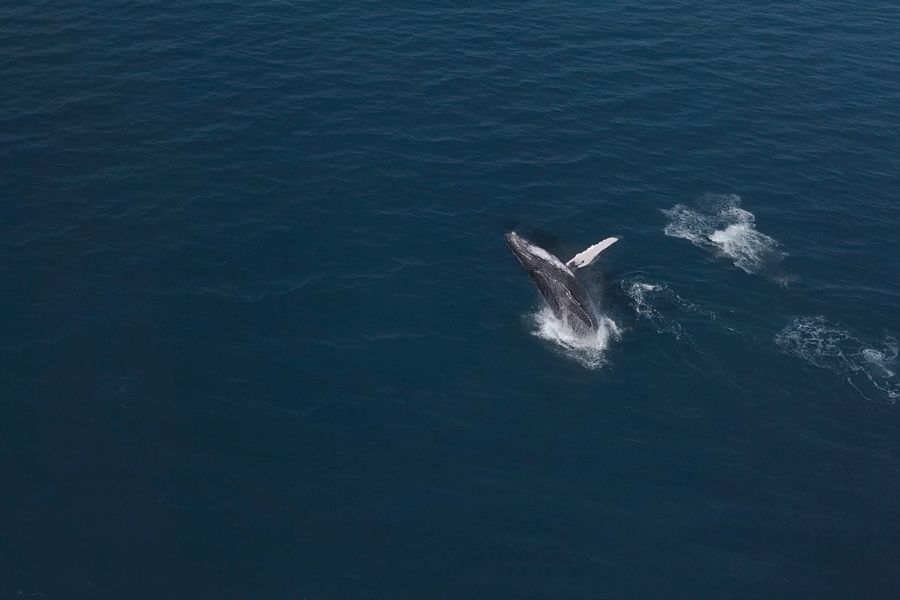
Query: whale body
{"type": "Point", "coordinates": [556, 281]}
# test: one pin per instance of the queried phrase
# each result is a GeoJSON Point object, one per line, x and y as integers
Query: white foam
{"type": "Point", "coordinates": [588, 348]}
{"type": "Point", "coordinates": [722, 225]}
{"type": "Point", "coordinates": [880, 359]}
{"type": "Point", "coordinates": [831, 346]}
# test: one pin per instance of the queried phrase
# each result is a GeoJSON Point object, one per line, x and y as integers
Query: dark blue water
{"type": "Point", "coordinates": [261, 336]}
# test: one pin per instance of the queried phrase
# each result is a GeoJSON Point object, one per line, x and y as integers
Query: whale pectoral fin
{"type": "Point", "coordinates": [586, 257]}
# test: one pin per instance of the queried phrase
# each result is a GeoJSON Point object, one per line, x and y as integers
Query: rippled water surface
{"type": "Point", "coordinates": [261, 336]}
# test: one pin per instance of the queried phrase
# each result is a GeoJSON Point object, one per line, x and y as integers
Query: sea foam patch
{"type": "Point", "coordinates": [868, 367]}
{"type": "Point", "coordinates": [720, 224]}
{"type": "Point", "coordinates": [588, 348]}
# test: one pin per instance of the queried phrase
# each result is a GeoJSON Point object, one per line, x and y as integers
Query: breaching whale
{"type": "Point", "coordinates": [557, 281]}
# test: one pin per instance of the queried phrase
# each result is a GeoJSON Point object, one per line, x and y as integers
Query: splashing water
{"type": "Point", "coordinates": [722, 225]}
{"type": "Point", "coordinates": [588, 348]}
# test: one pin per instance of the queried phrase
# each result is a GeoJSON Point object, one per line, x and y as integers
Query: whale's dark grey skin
{"type": "Point", "coordinates": [556, 282]}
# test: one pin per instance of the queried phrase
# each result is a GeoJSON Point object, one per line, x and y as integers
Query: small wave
{"type": "Point", "coordinates": [836, 348]}
{"type": "Point", "coordinates": [586, 348]}
{"type": "Point", "coordinates": [722, 225]}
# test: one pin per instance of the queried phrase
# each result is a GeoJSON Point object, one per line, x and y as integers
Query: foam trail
{"type": "Point", "coordinates": [640, 295]}
{"type": "Point", "coordinates": [722, 225]}
{"type": "Point", "coordinates": [831, 346]}
{"type": "Point", "coordinates": [586, 348]}
{"type": "Point", "coordinates": [645, 299]}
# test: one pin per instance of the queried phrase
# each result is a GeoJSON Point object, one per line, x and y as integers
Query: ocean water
{"type": "Point", "coordinates": [261, 336]}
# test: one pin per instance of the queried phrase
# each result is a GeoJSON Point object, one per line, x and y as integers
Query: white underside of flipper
{"type": "Point", "coordinates": [586, 257]}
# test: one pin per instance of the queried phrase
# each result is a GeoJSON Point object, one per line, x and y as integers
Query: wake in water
{"type": "Point", "coordinates": [833, 347]}
{"type": "Point", "coordinates": [588, 348]}
{"type": "Point", "coordinates": [720, 224]}
{"type": "Point", "coordinates": [643, 296]}
{"type": "Point", "coordinates": [649, 299]}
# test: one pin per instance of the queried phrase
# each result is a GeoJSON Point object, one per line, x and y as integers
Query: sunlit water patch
{"type": "Point", "coordinates": [588, 348]}
{"type": "Point", "coordinates": [869, 367]}
{"type": "Point", "coordinates": [721, 225]}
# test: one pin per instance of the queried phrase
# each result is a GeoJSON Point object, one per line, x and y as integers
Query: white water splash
{"type": "Point", "coordinates": [834, 347]}
{"type": "Point", "coordinates": [586, 348]}
{"type": "Point", "coordinates": [720, 224]}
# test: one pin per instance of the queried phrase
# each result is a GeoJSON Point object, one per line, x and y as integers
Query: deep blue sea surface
{"type": "Point", "coordinates": [261, 336]}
